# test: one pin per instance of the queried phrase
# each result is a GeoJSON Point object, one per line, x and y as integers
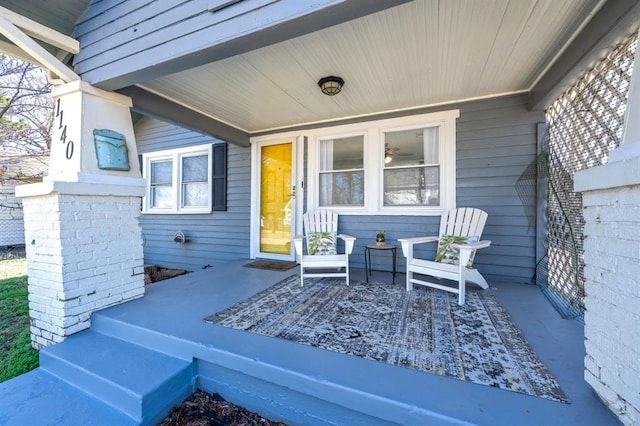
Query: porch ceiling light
{"type": "Point", "coordinates": [331, 85]}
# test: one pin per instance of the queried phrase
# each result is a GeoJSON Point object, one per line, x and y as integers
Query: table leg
{"type": "Point", "coordinates": [367, 263]}
{"type": "Point", "coordinates": [394, 254]}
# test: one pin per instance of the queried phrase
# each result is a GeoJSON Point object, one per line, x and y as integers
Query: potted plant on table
{"type": "Point", "coordinates": [380, 239]}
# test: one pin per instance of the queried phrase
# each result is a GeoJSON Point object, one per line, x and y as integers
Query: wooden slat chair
{"type": "Point", "coordinates": [321, 258]}
{"type": "Point", "coordinates": [459, 238]}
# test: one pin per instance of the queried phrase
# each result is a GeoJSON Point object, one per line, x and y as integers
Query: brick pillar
{"type": "Point", "coordinates": [612, 286]}
{"type": "Point", "coordinates": [82, 232]}
{"type": "Point", "coordinates": [84, 253]}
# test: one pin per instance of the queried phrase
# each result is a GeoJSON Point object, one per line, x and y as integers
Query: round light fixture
{"type": "Point", "coordinates": [331, 85]}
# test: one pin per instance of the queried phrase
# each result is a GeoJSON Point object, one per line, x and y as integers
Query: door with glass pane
{"type": "Point", "coordinates": [276, 200]}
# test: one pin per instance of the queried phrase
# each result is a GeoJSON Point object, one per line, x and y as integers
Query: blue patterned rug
{"type": "Point", "coordinates": [423, 329]}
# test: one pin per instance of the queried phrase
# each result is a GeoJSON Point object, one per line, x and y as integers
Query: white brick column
{"type": "Point", "coordinates": [84, 253]}
{"type": "Point", "coordinates": [82, 232]}
{"type": "Point", "coordinates": [612, 286]}
{"type": "Point", "coordinates": [611, 200]}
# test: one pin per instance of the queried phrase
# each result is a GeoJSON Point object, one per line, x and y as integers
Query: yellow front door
{"type": "Point", "coordinates": [276, 199]}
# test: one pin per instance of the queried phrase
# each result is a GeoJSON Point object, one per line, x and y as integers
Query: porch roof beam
{"type": "Point", "coordinates": [37, 52]}
{"type": "Point", "coordinates": [213, 41]}
{"type": "Point", "coordinates": [613, 22]}
{"type": "Point", "coordinates": [15, 52]}
{"type": "Point", "coordinates": [147, 103]}
{"type": "Point", "coordinates": [41, 32]}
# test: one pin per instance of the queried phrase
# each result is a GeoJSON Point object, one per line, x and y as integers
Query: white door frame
{"type": "Point", "coordinates": [297, 160]}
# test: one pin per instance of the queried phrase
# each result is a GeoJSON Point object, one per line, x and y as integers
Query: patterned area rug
{"type": "Point", "coordinates": [424, 329]}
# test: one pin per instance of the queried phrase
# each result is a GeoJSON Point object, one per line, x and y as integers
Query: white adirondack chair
{"type": "Point", "coordinates": [321, 258]}
{"type": "Point", "coordinates": [467, 223]}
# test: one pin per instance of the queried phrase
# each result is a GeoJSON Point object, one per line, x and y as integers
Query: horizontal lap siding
{"type": "Point", "coordinates": [126, 42]}
{"type": "Point", "coordinates": [496, 142]}
{"type": "Point", "coordinates": [215, 238]}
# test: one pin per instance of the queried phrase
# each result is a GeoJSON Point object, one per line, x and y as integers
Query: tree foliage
{"type": "Point", "coordinates": [26, 119]}
{"type": "Point", "coordinates": [26, 107]}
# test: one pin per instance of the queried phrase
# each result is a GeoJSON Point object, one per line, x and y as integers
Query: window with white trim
{"type": "Point", "coordinates": [395, 166]}
{"type": "Point", "coordinates": [182, 180]}
{"type": "Point", "coordinates": [341, 177]}
{"type": "Point", "coordinates": [411, 175]}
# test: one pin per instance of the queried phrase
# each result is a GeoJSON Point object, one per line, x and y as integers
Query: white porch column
{"type": "Point", "coordinates": [611, 199]}
{"type": "Point", "coordinates": [83, 238]}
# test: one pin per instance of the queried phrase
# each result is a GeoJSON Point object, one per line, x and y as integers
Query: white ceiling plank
{"type": "Point", "coordinates": [36, 51]}
{"type": "Point", "coordinates": [426, 52]}
{"type": "Point", "coordinates": [40, 32]}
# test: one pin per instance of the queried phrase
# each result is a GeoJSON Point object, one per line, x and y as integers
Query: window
{"type": "Point", "coordinates": [185, 180]}
{"type": "Point", "coordinates": [342, 171]}
{"type": "Point", "coordinates": [395, 166]}
{"type": "Point", "coordinates": [412, 167]}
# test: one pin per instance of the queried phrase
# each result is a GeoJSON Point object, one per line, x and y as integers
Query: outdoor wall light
{"type": "Point", "coordinates": [331, 85]}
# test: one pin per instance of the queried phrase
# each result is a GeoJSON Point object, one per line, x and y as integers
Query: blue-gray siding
{"type": "Point", "coordinates": [496, 142]}
{"type": "Point", "coordinates": [129, 41]}
{"type": "Point", "coordinates": [213, 238]}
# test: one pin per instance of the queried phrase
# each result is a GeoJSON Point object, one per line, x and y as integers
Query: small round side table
{"type": "Point", "coordinates": [367, 257]}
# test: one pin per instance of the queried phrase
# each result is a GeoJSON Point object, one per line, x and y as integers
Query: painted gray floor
{"type": "Point", "coordinates": [175, 309]}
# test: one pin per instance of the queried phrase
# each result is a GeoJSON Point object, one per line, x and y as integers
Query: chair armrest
{"type": "Point", "coordinates": [472, 246]}
{"type": "Point", "coordinates": [408, 243]}
{"type": "Point", "coordinates": [297, 242]}
{"type": "Point", "coordinates": [466, 250]}
{"type": "Point", "coordinates": [348, 242]}
{"type": "Point", "coordinates": [418, 240]}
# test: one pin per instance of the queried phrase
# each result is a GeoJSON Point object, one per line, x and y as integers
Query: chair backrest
{"type": "Point", "coordinates": [320, 229]}
{"type": "Point", "coordinates": [463, 222]}
{"type": "Point", "coordinates": [320, 221]}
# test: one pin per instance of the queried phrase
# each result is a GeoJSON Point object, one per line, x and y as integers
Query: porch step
{"type": "Point", "coordinates": [135, 380]}
{"type": "Point", "coordinates": [39, 398]}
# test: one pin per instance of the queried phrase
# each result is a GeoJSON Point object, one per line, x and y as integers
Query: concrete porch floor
{"type": "Point", "coordinates": [283, 380]}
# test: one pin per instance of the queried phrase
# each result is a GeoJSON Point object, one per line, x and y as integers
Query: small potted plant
{"type": "Point", "coordinates": [380, 239]}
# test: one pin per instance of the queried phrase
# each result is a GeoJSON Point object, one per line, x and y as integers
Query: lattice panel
{"type": "Point", "coordinates": [585, 124]}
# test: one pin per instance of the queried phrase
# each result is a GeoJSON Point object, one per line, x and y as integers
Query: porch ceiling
{"type": "Point", "coordinates": [422, 53]}
{"type": "Point", "coordinates": [418, 54]}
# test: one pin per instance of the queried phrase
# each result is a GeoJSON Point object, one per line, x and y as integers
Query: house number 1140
{"type": "Point", "coordinates": [63, 135]}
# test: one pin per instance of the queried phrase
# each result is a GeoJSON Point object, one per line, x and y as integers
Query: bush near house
{"type": "Point", "coordinates": [16, 354]}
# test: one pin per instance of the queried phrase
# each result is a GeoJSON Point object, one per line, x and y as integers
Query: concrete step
{"type": "Point", "coordinates": [135, 380]}
{"type": "Point", "coordinates": [38, 398]}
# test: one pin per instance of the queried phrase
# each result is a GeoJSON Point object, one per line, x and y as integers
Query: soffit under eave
{"type": "Point", "coordinates": [614, 22]}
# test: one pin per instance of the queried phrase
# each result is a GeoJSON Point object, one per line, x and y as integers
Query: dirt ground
{"type": "Point", "coordinates": [203, 409]}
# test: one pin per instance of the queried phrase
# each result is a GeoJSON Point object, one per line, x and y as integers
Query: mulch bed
{"type": "Point", "coordinates": [153, 274]}
{"type": "Point", "coordinates": [204, 409]}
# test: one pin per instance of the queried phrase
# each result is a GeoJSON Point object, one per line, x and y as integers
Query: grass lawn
{"type": "Point", "coordinates": [16, 354]}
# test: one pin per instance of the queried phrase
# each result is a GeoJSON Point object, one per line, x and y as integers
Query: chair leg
{"type": "Point", "coordinates": [301, 276]}
{"type": "Point", "coordinates": [409, 278]}
{"type": "Point", "coordinates": [461, 289]}
{"type": "Point", "coordinates": [347, 272]}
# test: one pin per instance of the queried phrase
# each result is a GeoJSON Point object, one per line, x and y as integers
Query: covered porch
{"type": "Point", "coordinates": [280, 379]}
{"type": "Point", "coordinates": [486, 74]}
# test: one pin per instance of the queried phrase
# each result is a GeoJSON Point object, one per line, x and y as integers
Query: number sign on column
{"type": "Point", "coordinates": [63, 134]}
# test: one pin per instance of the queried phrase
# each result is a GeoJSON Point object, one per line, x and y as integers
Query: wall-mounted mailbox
{"type": "Point", "coordinates": [111, 150]}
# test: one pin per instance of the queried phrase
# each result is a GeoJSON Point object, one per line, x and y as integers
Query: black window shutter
{"type": "Point", "coordinates": [219, 178]}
